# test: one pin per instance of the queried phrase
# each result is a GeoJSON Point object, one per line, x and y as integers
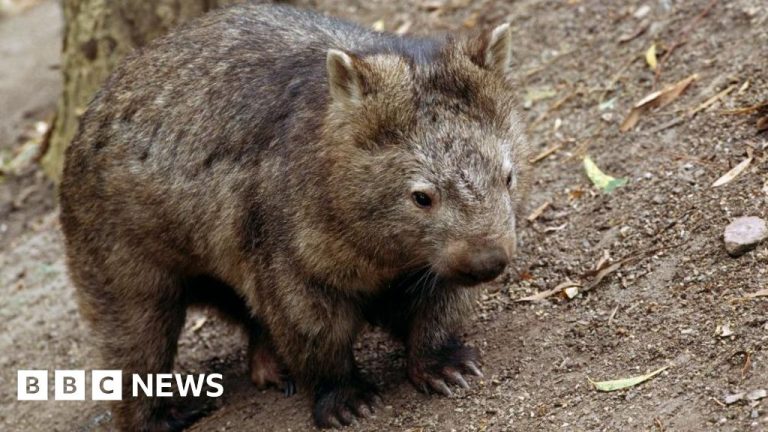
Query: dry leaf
{"type": "Point", "coordinates": [608, 386]}
{"type": "Point", "coordinates": [548, 293]}
{"type": "Point", "coordinates": [571, 292]}
{"type": "Point", "coordinates": [762, 124]}
{"type": "Point", "coordinates": [760, 293]}
{"type": "Point", "coordinates": [656, 99]}
{"type": "Point", "coordinates": [735, 171]}
{"type": "Point", "coordinates": [600, 179]}
{"type": "Point", "coordinates": [650, 57]}
{"type": "Point", "coordinates": [199, 323]}
{"type": "Point", "coordinates": [404, 27]}
{"type": "Point", "coordinates": [525, 276]}
{"type": "Point", "coordinates": [725, 330]}
{"type": "Point", "coordinates": [378, 26]}
{"type": "Point", "coordinates": [539, 210]}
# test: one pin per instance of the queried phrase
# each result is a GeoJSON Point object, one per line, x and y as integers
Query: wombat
{"type": "Point", "coordinates": [306, 176]}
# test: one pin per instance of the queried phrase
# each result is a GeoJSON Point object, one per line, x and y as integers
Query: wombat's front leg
{"type": "Point", "coordinates": [315, 336]}
{"type": "Point", "coordinates": [436, 354]}
{"type": "Point", "coordinates": [429, 322]}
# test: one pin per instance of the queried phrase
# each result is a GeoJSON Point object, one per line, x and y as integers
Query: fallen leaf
{"type": "Point", "coordinates": [539, 210]}
{"type": "Point", "coordinates": [603, 181]}
{"type": "Point", "coordinates": [725, 330]}
{"type": "Point", "coordinates": [762, 124]}
{"type": "Point", "coordinates": [525, 276]}
{"type": "Point", "coordinates": [743, 88]}
{"type": "Point", "coordinates": [575, 194]}
{"type": "Point", "coordinates": [656, 99]}
{"type": "Point", "coordinates": [404, 27]}
{"type": "Point", "coordinates": [378, 26]}
{"type": "Point", "coordinates": [535, 94]}
{"type": "Point", "coordinates": [760, 293]}
{"type": "Point", "coordinates": [750, 396]}
{"type": "Point", "coordinates": [650, 57]}
{"type": "Point", "coordinates": [609, 104]}
{"type": "Point", "coordinates": [735, 171]}
{"type": "Point", "coordinates": [608, 386]}
{"type": "Point", "coordinates": [603, 261]}
{"type": "Point", "coordinates": [471, 21]}
{"type": "Point", "coordinates": [548, 293]}
{"type": "Point", "coordinates": [199, 323]}
{"type": "Point", "coordinates": [571, 292]}
{"type": "Point", "coordinates": [26, 156]}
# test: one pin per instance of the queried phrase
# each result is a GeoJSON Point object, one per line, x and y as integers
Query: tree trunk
{"type": "Point", "coordinates": [97, 34]}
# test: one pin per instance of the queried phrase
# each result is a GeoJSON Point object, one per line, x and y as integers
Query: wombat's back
{"type": "Point", "coordinates": [187, 127]}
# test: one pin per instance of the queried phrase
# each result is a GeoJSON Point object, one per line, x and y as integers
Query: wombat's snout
{"type": "Point", "coordinates": [471, 264]}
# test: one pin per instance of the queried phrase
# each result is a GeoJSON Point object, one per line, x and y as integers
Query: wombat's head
{"type": "Point", "coordinates": [428, 158]}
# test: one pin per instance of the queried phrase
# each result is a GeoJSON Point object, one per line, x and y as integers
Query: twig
{"type": "Point", "coordinates": [711, 100]}
{"type": "Point", "coordinates": [746, 110]}
{"type": "Point", "coordinates": [681, 39]}
{"type": "Point", "coordinates": [546, 153]}
{"type": "Point", "coordinates": [536, 213]}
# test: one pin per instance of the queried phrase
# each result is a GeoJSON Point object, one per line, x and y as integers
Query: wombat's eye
{"type": "Point", "coordinates": [509, 179]}
{"type": "Point", "coordinates": [422, 199]}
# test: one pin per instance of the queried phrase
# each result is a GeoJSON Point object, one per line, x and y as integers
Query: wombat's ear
{"type": "Point", "coordinates": [344, 79]}
{"type": "Point", "coordinates": [493, 50]}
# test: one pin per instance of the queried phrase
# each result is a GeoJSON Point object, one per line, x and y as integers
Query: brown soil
{"type": "Point", "coordinates": [666, 307]}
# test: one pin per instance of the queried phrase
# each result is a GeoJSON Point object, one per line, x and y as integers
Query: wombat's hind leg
{"type": "Point", "coordinates": [137, 316]}
{"type": "Point", "coordinates": [266, 368]}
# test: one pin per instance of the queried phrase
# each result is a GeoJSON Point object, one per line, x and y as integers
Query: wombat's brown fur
{"type": "Point", "coordinates": [307, 176]}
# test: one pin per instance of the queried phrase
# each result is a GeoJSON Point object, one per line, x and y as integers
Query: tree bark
{"type": "Point", "coordinates": [97, 34]}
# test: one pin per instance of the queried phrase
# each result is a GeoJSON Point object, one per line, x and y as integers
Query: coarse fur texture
{"type": "Point", "coordinates": [305, 176]}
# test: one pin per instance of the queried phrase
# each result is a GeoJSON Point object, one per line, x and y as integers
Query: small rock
{"type": "Point", "coordinates": [733, 398]}
{"type": "Point", "coordinates": [757, 394]}
{"type": "Point", "coordinates": [744, 234]}
{"type": "Point", "coordinates": [642, 11]}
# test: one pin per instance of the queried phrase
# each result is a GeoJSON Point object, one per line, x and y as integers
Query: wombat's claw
{"type": "Point", "coordinates": [434, 371]}
{"type": "Point", "coordinates": [289, 387]}
{"type": "Point", "coordinates": [456, 377]}
{"type": "Point", "coordinates": [472, 367]}
{"type": "Point", "coordinates": [341, 406]}
{"type": "Point", "coordinates": [439, 386]}
{"type": "Point", "coordinates": [176, 419]}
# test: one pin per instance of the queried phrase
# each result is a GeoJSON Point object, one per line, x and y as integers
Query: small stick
{"type": "Point", "coordinates": [682, 38]}
{"type": "Point", "coordinates": [546, 153]}
{"type": "Point", "coordinates": [539, 210]}
{"type": "Point", "coordinates": [712, 100]}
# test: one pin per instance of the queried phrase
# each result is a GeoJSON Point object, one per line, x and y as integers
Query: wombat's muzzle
{"type": "Point", "coordinates": [474, 264]}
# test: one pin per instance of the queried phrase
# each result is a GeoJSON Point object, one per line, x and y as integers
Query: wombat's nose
{"type": "Point", "coordinates": [485, 264]}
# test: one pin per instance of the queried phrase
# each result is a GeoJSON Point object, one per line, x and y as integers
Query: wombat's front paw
{"type": "Point", "coordinates": [430, 370]}
{"type": "Point", "coordinates": [267, 370]}
{"type": "Point", "coordinates": [338, 405]}
{"type": "Point", "coordinates": [175, 419]}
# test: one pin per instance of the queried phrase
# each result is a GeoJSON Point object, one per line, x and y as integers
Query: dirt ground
{"type": "Point", "coordinates": [672, 303]}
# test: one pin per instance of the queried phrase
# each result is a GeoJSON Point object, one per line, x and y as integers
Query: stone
{"type": "Point", "coordinates": [744, 234]}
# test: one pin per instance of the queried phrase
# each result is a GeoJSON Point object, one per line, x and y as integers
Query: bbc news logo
{"type": "Point", "coordinates": [108, 385]}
